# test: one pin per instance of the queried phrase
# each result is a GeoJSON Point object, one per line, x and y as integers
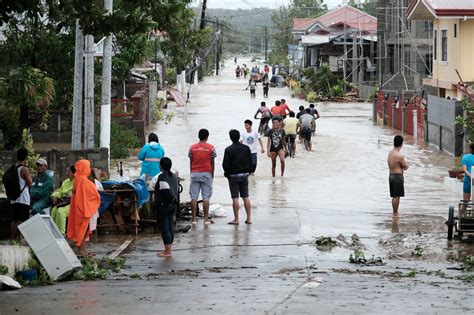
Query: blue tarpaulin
{"type": "Point", "coordinates": [138, 185]}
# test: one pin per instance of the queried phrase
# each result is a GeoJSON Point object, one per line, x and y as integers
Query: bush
{"type": "Point", "coordinates": [170, 75]}
{"type": "Point", "coordinates": [311, 97]}
{"type": "Point", "coordinates": [121, 140]}
{"type": "Point", "coordinates": [336, 91]}
{"type": "Point", "coordinates": [324, 79]}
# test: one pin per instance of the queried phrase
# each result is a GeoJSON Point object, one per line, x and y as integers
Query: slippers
{"type": "Point", "coordinates": [233, 223]}
{"type": "Point", "coordinates": [194, 222]}
{"type": "Point", "coordinates": [207, 222]}
{"type": "Point", "coordinates": [248, 222]}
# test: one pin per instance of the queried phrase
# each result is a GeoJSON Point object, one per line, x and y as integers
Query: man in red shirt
{"type": "Point", "coordinates": [285, 109]}
{"type": "Point", "coordinates": [201, 163]}
{"type": "Point", "coordinates": [277, 110]}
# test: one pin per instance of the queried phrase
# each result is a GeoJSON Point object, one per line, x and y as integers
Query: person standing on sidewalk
{"type": "Point", "coordinates": [21, 205]}
{"type": "Point", "coordinates": [150, 155]}
{"type": "Point", "coordinates": [165, 204]}
{"type": "Point", "coordinates": [396, 165]}
{"type": "Point", "coordinates": [467, 162]}
{"type": "Point", "coordinates": [249, 138]}
{"type": "Point", "coordinates": [237, 164]}
{"type": "Point", "coordinates": [201, 163]}
{"type": "Point", "coordinates": [276, 145]}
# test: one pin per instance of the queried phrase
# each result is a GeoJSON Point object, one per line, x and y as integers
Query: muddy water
{"type": "Point", "coordinates": [341, 187]}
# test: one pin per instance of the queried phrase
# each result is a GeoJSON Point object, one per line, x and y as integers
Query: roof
{"type": "Point", "coordinates": [350, 16]}
{"type": "Point", "coordinates": [302, 24]}
{"type": "Point", "coordinates": [440, 8]}
{"type": "Point", "coordinates": [346, 14]}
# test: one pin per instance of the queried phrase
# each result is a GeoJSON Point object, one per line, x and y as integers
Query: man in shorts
{"type": "Point", "coordinates": [201, 163]}
{"type": "Point", "coordinates": [21, 205]}
{"type": "Point", "coordinates": [276, 145]}
{"type": "Point", "coordinates": [265, 116]}
{"type": "Point", "coordinates": [249, 138]}
{"type": "Point", "coordinates": [292, 127]}
{"type": "Point", "coordinates": [396, 165]}
{"type": "Point", "coordinates": [307, 125]}
{"type": "Point", "coordinates": [237, 164]}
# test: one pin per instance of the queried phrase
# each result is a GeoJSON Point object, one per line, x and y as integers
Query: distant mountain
{"type": "Point", "coordinates": [242, 26]}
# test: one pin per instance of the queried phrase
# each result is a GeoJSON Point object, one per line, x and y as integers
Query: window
{"type": "Point", "coordinates": [455, 30]}
{"type": "Point", "coordinates": [444, 45]}
{"type": "Point", "coordinates": [435, 45]}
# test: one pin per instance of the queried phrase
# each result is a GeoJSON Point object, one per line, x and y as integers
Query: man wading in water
{"type": "Point", "coordinates": [396, 165]}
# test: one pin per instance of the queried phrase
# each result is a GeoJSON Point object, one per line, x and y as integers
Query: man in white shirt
{"type": "Point", "coordinates": [249, 138]}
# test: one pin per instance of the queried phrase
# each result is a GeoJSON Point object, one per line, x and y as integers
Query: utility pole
{"type": "Point", "coordinates": [218, 55]}
{"type": "Point", "coordinates": [89, 94]}
{"type": "Point", "coordinates": [76, 139]}
{"type": "Point", "coordinates": [355, 58]}
{"type": "Point", "coordinates": [105, 111]}
{"type": "Point", "coordinates": [344, 71]}
{"type": "Point", "coordinates": [266, 42]}
{"type": "Point", "coordinates": [249, 44]}
{"type": "Point", "coordinates": [202, 24]}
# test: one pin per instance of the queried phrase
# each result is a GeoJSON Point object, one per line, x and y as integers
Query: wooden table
{"type": "Point", "coordinates": [124, 199]}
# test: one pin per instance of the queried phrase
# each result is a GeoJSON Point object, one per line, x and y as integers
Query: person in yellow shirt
{"type": "Point", "coordinates": [292, 127]}
{"type": "Point", "coordinates": [61, 199]}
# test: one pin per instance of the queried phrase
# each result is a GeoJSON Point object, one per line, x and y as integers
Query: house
{"type": "Point", "coordinates": [453, 44]}
{"type": "Point", "coordinates": [343, 38]}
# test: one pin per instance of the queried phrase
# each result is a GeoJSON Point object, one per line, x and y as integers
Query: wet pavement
{"type": "Point", "coordinates": [272, 265]}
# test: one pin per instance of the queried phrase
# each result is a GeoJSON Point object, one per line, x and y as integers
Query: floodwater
{"type": "Point", "coordinates": [271, 266]}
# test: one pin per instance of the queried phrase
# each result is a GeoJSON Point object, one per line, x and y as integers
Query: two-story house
{"type": "Point", "coordinates": [453, 43]}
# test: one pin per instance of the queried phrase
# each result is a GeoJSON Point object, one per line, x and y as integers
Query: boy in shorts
{"type": "Point", "coordinates": [201, 162]}
{"type": "Point", "coordinates": [276, 145]}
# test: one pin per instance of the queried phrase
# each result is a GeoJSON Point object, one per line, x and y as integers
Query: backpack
{"type": "Point", "coordinates": [11, 182]}
{"type": "Point", "coordinates": [163, 194]}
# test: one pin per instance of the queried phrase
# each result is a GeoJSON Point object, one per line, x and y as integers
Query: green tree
{"type": "Point", "coordinates": [308, 8]}
{"type": "Point", "coordinates": [368, 6]}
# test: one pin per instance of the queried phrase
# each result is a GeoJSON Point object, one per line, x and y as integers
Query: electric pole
{"type": "Point", "coordinates": [266, 42]}
{"type": "Point", "coordinates": [202, 24]}
{"type": "Point", "coordinates": [89, 93]}
{"type": "Point", "coordinates": [218, 57]}
{"type": "Point", "coordinates": [76, 139]}
{"type": "Point", "coordinates": [105, 110]}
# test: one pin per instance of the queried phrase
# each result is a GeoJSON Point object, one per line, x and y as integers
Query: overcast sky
{"type": "Point", "coordinates": [244, 4]}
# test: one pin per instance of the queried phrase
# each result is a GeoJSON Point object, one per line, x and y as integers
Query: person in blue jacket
{"type": "Point", "coordinates": [150, 155]}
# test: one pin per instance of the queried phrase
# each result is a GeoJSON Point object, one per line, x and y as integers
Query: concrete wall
{"type": "Point", "coordinates": [442, 130]}
{"type": "Point", "coordinates": [59, 161]}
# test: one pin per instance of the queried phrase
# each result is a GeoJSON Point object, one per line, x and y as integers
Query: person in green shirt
{"type": "Point", "coordinates": [61, 198]}
{"type": "Point", "coordinates": [41, 189]}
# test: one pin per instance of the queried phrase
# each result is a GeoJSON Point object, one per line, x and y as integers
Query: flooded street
{"type": "Point", "coordinates": [272, 266]}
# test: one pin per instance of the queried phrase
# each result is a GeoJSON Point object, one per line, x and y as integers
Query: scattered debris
{"type": "Point", "coordinates": [7, 283]}
{"type": "Point", "coordinates": [325, 243]}
{"type": "Point", "coordinates": [288, 270]}
{"type": "Point", "coordinates": [358, 257]}
{"type": "Point", "coordinates": [467, 263]}
{"type": "Point", "coordinates": [97, 269]}
{"type": "Point", "coordinates": [135, 276]}
{"type": "Point", "coordinates": [411, 274]}
{"type": "Point", "coordinates": [417, 251]}
{"type": "Point", "coordinates": [3, 270]}
{"type": "Point", "coordinates": [122, 247]}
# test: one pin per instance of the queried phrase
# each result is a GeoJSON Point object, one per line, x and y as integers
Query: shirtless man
{"type": "Point", "coordinates": [396, 165]}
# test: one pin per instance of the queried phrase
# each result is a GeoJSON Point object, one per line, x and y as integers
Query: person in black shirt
{"type": "Point", "coordinates": [165, 204]}
{"type": "Point", "coordinates": [276, 145]}
{"type": "Point", "coordinates": [237, 164]}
